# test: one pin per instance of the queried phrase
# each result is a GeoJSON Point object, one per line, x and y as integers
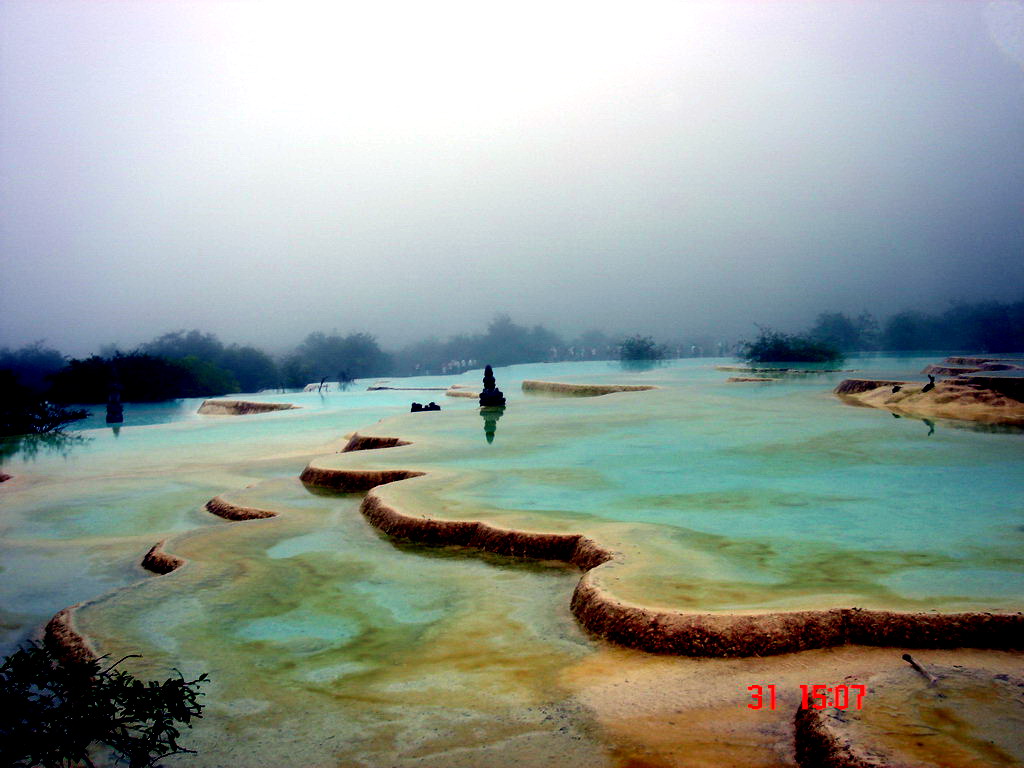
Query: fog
{"type": "Point", "coordinates": [263, 170]}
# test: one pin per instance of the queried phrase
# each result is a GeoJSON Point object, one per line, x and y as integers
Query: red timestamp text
{"type": "Point", "coordinates": [811, 696]}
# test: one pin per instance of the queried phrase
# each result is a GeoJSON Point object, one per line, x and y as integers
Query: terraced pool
{"type": "Point", "coordinates": [328, 642]}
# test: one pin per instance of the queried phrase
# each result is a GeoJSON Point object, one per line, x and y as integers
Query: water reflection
{"type": "Point", "coordinates": [971, 426]}
{"type": "Point", "coordinates": [27, 447]}
{"type": "Point", "coordinates": [490, 415]}
{"type": "Point", "coordinates": [641, 365]}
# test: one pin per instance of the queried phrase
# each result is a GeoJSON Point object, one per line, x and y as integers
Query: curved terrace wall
{"type": "Point", "coordinates": [64, 640]}
{"type": "Point", "coordinates": [160, 562]}
{"type": "Point", "coordinates": [221, 507]}
{"type": "Point", "coordinates": [676, 632]}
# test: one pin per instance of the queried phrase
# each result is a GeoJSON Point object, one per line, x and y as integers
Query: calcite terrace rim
{"type": "Point", "coordinates": [626, 624]}
{"type": "Point", "coordinates": [64, 639]}
{"type": "Point", "coordinates": [216, 407]}
{"type": "Point", "coordinates": [582, 390]}
{"type": "Point", "coordinates": [674, 632]}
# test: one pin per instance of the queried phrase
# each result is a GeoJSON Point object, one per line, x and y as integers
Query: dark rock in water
{"type": "Point", "coordinates": [491, 396]}
{"type": "Point", "coordinates": [115, 411]}
{"type": "Point", "coordinates": [416, 408]}
{"type": "Point", "coordinates": [431, 406]}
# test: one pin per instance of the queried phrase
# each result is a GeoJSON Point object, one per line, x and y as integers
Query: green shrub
{"type": "Point", "coordinates": [640, 348]}
{"type": "Point", "coordinates": [55, 712]}
{"type": "Point", "coordinates": [23, 412]}
{"type": "Point", "coordinates": [774, 347]}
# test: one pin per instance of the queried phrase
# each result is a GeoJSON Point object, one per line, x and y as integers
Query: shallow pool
{"type": "Point", "coordinates": [328, 643]}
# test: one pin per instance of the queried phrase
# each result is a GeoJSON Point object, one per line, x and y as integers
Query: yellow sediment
{"type": "Point", "coordinates": [240, 407]}
{"type": "Point", "coordinates": [583, 390]}
{"type": "Point", "coordinates": [972, 718]}
{"type": "Point", "coordinates": [695, 713]}
{"type": "Point", "coordinates": [458, 392]}
{"type": "Point", "coordinates": [968, 399]}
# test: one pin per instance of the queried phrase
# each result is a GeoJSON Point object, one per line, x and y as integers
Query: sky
{"type": "Point", "coordinates": [262, 170]}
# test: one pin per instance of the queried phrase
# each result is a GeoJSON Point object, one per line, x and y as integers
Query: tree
{"type": "Point", "coordinates": [32, 364]}
{"type": "Point", "coordinates": [321, 355]}
{"type": "Point", "coordinates": [911, 331]}
{"type": "Point", "coordinates": [253, 369]}
{"type": "Point", "coordinates": [206, 378]}
{"type": "Point", "coordinates": [774, 347]}
{"type": "Point", "coordinates": [508, 343]}
{"type": "Point", "coordinates": [142, 378]}
{"type": "Point", "coordinates": [845, 333]}
{"type": "Point", "coordinates": [295, 373]}
{"type": "Point", "coordinates": [23, 412]}
{"type": "Point", "coordinates": [640, 348]}
{"type": "Point", "coordinates": [179, 344]}
{"type": "Point", "coordinates": [837, 329]}
{"type": "Point", "coordinates": [57, 711]}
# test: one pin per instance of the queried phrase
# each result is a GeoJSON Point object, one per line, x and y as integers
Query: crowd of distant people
{"type": "Point", "coordinates": [573, 353]}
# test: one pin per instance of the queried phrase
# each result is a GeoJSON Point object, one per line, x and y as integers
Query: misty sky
{"type": "Point", "coordinates": [263, 170]}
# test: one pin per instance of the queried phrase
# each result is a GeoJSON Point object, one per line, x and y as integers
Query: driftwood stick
{"type": "Point", "coordinates": [932, 679]}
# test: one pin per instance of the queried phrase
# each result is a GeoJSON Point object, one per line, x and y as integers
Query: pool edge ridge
{"type": "Point", "coordinates": [773, 633]}
{"type": "Point", "coordinates": [571, 548]}
{"type": "Point", "coordinates": [161, 562]}
{"type": "Point", "coordinates": [228, 510]}
{"type": "Point", "coordinates": [667, 631]}
{"type": "Point", "coordinates": [65, 641]}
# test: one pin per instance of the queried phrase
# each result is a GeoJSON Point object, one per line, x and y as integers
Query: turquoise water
{"type": "Point", "coordinates": [775, 484]}
{"type": "Point", "coordinates": [781, 479]}
{"type": "Point", "coordinates": [732, 495]}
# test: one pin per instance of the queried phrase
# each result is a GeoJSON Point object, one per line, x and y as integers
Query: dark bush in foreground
{"type": "Point", "coordinates": [773, 347]}
{"type": "Point", "coordinates": [55, 712]}
{"type": "Point", "coordinates": [23, 412]}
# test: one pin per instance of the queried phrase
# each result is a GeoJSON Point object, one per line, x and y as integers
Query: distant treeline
{"type": "Point", "coordinates": [197, 364]}
{"type": "Point", "coordinates": [989, 326]}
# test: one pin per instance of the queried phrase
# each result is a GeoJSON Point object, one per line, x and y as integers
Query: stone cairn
{"type": "Point", "coordinates": [491, 396]}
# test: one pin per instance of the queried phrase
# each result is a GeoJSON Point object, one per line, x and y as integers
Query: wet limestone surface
{"type": "Point", "coordinates": [698, 713]}
{"type": "Point", "coordinates": [969, 719]}
{"type": "Point", "coordinates": [966, 718]}
{"type": "Point", "coordinates": [328, 644]}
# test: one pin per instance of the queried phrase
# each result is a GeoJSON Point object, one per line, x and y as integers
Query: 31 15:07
{"type": "Point", "coordinates": [812, 696]}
